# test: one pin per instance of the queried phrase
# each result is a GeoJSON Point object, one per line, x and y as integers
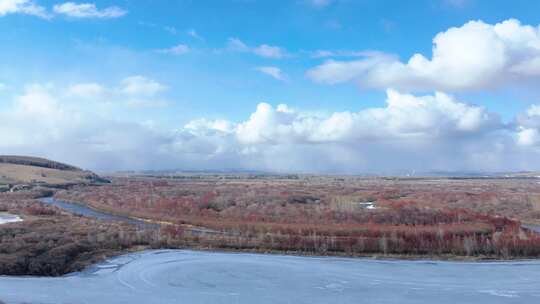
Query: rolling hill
{"type": "Point", "coordinates": [19, 171]}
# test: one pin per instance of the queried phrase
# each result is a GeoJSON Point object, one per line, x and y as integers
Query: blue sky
{"type": "Point", "coordinates": [219, 60]}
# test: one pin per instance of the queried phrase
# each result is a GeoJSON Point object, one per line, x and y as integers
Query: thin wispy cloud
{"type": "Point", "coordinates": [179, 49]}
{"type": "Point", "coordinates": [141, 86]}
{"type": "Point", "coordinates": [89, 90]}
{"type": "Point", "coordinates": [340, 53]}
{"type": "Point", "coordinates": [272, 71]}
{"type": "Point", "coordinates": [193, 33]}
{"type": "Point", "coordinates": [88, 10]}
{"type": "Point", "coordinates": [171, 30]}
{"type": "Point", "coordinates": [263, 50]}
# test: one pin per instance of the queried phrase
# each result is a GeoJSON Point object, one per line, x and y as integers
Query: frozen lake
{"type": "Point", "coordinates": [208, 277]}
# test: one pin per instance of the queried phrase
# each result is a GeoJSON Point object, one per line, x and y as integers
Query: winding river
{"type": "Point", "coordinates": [83, 210]}
{"type": "Point", "coordinates": [183, 276]}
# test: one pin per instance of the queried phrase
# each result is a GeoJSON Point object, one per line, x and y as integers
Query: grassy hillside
{"type": "Point", "coordinates": [17, 170]}
{"type": "Point", "coordinates": [36, 162]}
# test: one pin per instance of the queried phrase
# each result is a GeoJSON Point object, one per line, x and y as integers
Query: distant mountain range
{"type": "Point", "coordinates": [403, 174]}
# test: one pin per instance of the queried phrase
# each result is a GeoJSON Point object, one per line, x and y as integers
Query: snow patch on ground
{"type": "Point", "coordinates": [6, 218]}
{"type": "Point", "coordinates": [368, 205]}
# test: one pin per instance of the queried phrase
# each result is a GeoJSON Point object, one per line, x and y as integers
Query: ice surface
{"type": "Point", "coordinates": [208, 277]}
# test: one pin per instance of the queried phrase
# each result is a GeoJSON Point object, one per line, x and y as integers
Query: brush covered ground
{"type": "Point", "coordinates": [443, 218]}
{"type": "Point", "coordinates": [50, 242]}
{"type": "Point", "coordinates": [321, 215]}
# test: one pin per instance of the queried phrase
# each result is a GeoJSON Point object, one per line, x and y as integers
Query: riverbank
{"type": "Point", "coordinates": [198, 243]}
{"type": "Point", "coordinates": [51, 242]}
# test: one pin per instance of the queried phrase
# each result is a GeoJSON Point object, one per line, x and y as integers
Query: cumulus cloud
{"type": "Point", "coordinates": [179, 49]}
{"type": "Point", "coordinates": [528, 125]}
{"type": "Point", "coordinates": [27, 7]}
{"type": "Point", "coordinates": [263, 50]}
{"type": "Point", "coordinates": [435, 116]}
{"type": "Point", "coordinates": [44, 120]}
{"type": "Point", "coordinates": [445, 134]}
{"type": "Point", "coordinates": [88, 10]}
{"type": "Point", "coordinates": [476, 55]}
{"type": "Point", "coordinates": [272, 71]}
{"type": "Point", "coordinates": [426, 132]}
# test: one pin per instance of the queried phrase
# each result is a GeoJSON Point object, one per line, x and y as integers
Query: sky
{"type": "Point", "coordinates": [307, 86]}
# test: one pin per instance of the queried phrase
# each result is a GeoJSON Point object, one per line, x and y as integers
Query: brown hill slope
{"type": "Point", "coordinates": [36, 162]}
{"type": "Point", "coordinates": [32, 171]}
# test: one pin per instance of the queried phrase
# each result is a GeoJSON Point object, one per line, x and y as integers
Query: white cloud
{"type": "Point", "coordinates": [206, 125]}
{"type": "Point", "coordinates": [38, 101]}
{"type": "Point", "coordinates": [445, 135]}
{"type": "Point", "coordinates": [272, 71]}
{"type": "Point", "coordinates": [269, 51]}
{"type": "Point", "coordinates": [263, 50]}
{"type": "Point", "coordinates": [475, 56]}
{"type": "Point", "coordinates": [27, 7]}
{"type": "Point", "coordinates": [86, 90]}
{"type": "Point", "coordinates": [236, 44]}
{"type": "Point", "coordinates": [429, 132]}
{"type": "Point", "coordinates": [528, 137]}
{"type": "Point", "coordinates": [435, 116]}
{"type": "Point", "coordinates": [179, 49]}
{"type": "Point", "coordinates": [44, 121]}
{"type": "Point", "coordinates": [528, 126]}
{"type": "Point", "coordinates": [88, 10]}
{"type": "Point", "coordinates": [134, 92]}
{"type": "Point", "coordinates": [141, 86]}
{"type": "Point", "coordinates": [338, 53]}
